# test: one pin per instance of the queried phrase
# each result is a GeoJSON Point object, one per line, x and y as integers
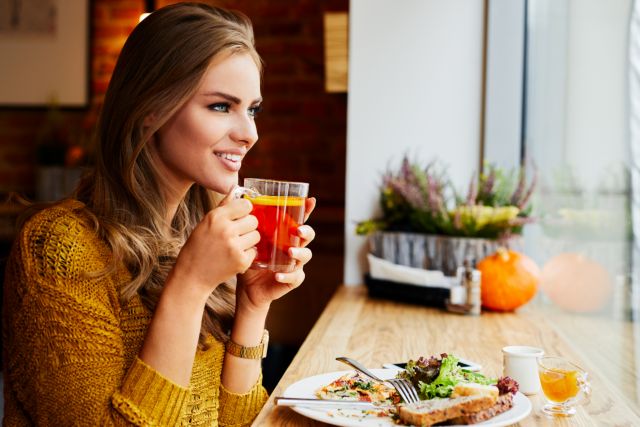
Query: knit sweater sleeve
{"type": "Point", "coordinates": [64, 352]}
{"type": "Point", "coordinates": [241, 409]}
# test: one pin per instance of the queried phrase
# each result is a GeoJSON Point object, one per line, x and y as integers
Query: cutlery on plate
{"type": "Point", "coordinates": [325, 403]}
{"type": "Point", "coordinates": [405, 389]}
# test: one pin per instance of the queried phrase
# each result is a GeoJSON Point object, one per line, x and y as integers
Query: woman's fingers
{"type": "Point", "coordinates": [231, 195]}
{"type": "Point", "coordinates": [234, 209]}
{"type": "Point", "coordinates": [301, 255]}
{"type": "Point", "coordinates": [246, 224]}
{"type": "Point", "coordinates": [309, 206]}
{"type": "Point", "coordinates": [293, 279]}
{"type": "Point", "coordinates": [249, 256]}
{"type": "Point", "coordinates": [306, 234]}
{"type": "Point", "coordinates": [249, 240]}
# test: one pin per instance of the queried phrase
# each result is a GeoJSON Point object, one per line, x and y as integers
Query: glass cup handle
{"type": "Point", "coordinates": [585, 388]}
{"type": "Point", "coordinates": [239, 191]}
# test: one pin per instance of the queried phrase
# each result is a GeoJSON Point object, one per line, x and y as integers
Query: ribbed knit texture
{"type": "Point", "coordinates": [70, 346]}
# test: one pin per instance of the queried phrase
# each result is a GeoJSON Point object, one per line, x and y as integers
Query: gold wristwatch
{"type": "Point", "coordinates": [257, 352]}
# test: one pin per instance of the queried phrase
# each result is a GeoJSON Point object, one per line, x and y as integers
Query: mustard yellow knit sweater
{"type": "Point", "coordinates": [70, 346]}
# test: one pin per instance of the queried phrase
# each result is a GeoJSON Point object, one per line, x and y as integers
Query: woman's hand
{"type": "Point", "coordinates": [258, 288]}
{"type": "Point", "coordinates": [221, 246]}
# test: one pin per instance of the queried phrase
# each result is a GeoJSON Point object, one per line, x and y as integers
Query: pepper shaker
{"type": "Point", "coordinates": [471, 282]}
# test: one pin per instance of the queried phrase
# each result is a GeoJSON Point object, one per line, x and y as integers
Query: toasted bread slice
{"type": "Point", "coordinates": [504, 403]}
{"type": "Point", "coordinates": [429, 412]}
{"type": "Point", "coordinates": [474, 389]}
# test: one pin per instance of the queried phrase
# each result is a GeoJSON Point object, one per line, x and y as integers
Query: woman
{"type": "Point", "coordinates": [121, 305]}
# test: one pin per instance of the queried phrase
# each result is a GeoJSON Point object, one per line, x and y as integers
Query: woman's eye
{"type": "Point", "coordinates": [222, 107]}
{"type": "Point", "coordinates": [253, 111]}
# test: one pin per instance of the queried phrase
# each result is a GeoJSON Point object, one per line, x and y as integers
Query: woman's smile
{"type": "Point", "coordinates": [231, 161]}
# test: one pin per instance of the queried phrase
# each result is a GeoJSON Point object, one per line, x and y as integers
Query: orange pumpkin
{"type": "Point", "coordinates": [576, 282]}
{"type": "Point", "coordinates": [509, 280]}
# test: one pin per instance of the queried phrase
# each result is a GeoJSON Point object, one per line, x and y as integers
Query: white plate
{"type": "Point", "coordinates": [352, 418]}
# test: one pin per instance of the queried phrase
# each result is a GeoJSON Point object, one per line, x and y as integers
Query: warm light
{"type": "Point", "coordinates": [149, 6]}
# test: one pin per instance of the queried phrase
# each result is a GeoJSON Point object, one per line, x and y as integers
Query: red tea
{"type": "Point", "coordinates": [278, 220]}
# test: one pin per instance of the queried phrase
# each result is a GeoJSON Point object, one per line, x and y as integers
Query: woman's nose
{"type": "Point", "coordinates": [245, 130]}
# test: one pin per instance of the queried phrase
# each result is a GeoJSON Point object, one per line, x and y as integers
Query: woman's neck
{"type": "Point", "coordinates": [173, 197]}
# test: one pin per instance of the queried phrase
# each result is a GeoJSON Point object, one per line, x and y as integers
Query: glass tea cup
{"type": "Point", "coordinates": [279, 207]}
{"type": "Point", "coordinates": [564, 385]}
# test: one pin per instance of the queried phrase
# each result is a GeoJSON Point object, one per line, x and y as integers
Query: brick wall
{"type": "Point", "coordinates": [302, 129]}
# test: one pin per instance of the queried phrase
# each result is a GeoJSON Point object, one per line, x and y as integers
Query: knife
{"type": "Point", "coordinates": [331, 403]}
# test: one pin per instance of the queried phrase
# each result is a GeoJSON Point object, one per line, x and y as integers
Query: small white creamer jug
{"type": "Point", "coordinates": [521, 364]}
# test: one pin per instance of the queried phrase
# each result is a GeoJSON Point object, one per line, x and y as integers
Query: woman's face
{"type": "Point", "coordinates": [206, 140]}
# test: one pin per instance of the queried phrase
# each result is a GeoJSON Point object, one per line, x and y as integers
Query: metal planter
{"type": "Point", "coordinates": [433, 252]}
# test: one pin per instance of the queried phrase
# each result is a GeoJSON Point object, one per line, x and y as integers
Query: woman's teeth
{"type": "Point", "coordinates": [232, 157]}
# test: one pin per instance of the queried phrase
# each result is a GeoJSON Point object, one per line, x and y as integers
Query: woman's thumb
{"type": "Point", "coordinates": [236, 192]}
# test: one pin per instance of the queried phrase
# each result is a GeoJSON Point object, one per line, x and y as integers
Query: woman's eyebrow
{"type": "Point", "coordinates": [230, 98]}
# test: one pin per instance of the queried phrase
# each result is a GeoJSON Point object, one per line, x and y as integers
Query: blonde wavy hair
{"type": "Point", "coordinates": [160, 67]}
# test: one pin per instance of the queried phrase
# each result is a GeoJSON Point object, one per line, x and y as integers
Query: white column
{"type": "Point", "coordinates": [415, 74]}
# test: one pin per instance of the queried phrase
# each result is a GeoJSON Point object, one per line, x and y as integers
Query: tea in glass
{"type": "Point", "coordinates": [564, 386]}
{"type": "Point", "coordinates": [279, 207]}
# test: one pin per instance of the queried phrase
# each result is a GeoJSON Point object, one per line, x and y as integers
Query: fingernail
{"type": "Point", "coordinates": [293, 252]}
{"type": "Point", "coordinates": [279, 277]}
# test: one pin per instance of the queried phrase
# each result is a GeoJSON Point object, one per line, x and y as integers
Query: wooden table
{"type": "Point", "coordinates": [378, 331]}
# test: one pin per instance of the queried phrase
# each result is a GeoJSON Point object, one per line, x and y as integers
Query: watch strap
{"type": "Point", "coordinates": [257, 352]}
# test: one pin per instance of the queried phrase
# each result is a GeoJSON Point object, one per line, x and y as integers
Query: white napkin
{"type": "Point", "coordinates": [385, 270]}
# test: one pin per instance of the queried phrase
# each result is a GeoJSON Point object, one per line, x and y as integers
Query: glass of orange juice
{"type": "Point", "coordinates": [564, 384]}
{"type": "Point", "coordinates": [279, 207]}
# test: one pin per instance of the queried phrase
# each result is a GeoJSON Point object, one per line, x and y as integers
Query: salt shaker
{"type": "Point", "coordinates": [471, 282]}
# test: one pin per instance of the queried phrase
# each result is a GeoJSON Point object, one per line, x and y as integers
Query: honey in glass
{"type": "Point", "coordinates": [559, 385]}
{"type": "Point", "coordinates": [564, 385]}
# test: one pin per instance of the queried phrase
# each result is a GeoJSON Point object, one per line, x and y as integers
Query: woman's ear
{"type": "Point", "coordinates": [149, 120]}
{"type": "Point", "coordinates": [149, 127]}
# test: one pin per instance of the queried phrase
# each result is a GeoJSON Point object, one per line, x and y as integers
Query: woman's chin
{"type": "Point", "coordinates": [222, 186]}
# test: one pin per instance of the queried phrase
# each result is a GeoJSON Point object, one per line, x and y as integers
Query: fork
{"type": "Point", "coordinates": [405, 389]}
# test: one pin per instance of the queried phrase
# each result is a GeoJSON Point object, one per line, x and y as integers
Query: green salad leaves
{"type": "Point", "coordinates": [436, 377]}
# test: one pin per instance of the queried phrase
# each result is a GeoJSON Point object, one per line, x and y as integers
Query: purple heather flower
{"type": "Point", "coordinates": [473, 191]}
{"type": "Point", "coordinates": [529, 192]}
{"type": "Point", "coordinates": [515, 197]}
{"type": "Point", "coordinates": [488, 184]}
{"type": "Point", "coordinates": [410, 193]}
{"type": "Point", "coordinates": [432, 190]}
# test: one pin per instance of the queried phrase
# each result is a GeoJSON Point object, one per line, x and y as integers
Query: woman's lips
{"type": "Point", "coordinates": [230, 161]}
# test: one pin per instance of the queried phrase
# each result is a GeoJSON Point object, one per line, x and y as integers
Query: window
{"type": "Point", "coordinates": [576, 133]}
